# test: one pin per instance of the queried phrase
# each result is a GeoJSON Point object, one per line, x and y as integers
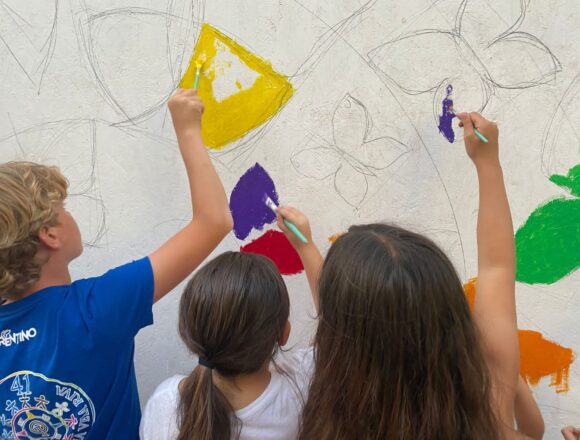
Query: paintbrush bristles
{"type": "Point", "coordinates": [269, 203]}
{"type": "Point", "coordinates": [200, 61]}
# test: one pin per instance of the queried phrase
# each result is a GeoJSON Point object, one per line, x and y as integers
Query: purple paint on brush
{"type": "Point", "coordinates": [246, 201]}
{"type": "Point", "coordinates": [446, 118]}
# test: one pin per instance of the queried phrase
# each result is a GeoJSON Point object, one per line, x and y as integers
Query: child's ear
{"type": "Point", "coordinates": [49, 238]}
{"type": "Point", "coordinates": [285, 334]}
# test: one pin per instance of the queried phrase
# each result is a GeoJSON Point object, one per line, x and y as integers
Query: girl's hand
{"type": "Point", "coordinates": [479, 151]}
{"type": "Point", "coordinates": [571, 433]}
{"type": "Point", "coordinates": [309, 253]}
{"type": "Point", "coordinates": [300, 221]}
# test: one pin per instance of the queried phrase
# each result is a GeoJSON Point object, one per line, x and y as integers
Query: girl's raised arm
{"type": "Point", "coordinates": [495, 306]}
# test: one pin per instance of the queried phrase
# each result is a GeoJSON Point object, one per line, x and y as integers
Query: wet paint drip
{"type": "Point", "coordinates": [275, 246]}
{"type": "Point", "coordinates": [240, 90]}
{"type": "Point", "coordinates": [540, 358]}
{"type": "Point", "coordinates": [547, 243]}
{"type": "Point", "coordinates": [246, 201]}
{"type": "Point", "coordinates": [446, 117]}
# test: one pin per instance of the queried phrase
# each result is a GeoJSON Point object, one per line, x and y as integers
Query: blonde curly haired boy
{"type": "Point", "coordinates": [31, 215]}
{"type": "Point", "coordinates": [66, 348]}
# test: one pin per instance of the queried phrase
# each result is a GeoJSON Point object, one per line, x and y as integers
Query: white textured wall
{"type": "Point", "coordinates": [70, 81]}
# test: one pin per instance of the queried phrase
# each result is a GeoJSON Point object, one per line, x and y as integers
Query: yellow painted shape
{"type": "Point", "coordinates": [232, 117]}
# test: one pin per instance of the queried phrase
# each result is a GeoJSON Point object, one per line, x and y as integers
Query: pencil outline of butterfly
{"type": "Point", "coordinates": [178, 30]}
{"type": "Point", "coordinates": [470, 56]}
{"type": "Point", "coordinates": [39, 58]}
{"type": "Point", "coordinates": [344, 161]}
{"type": "Point", "coordinates": [48, 145]}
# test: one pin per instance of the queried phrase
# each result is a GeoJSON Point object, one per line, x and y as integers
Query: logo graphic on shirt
{"type": "Point", "coordinates": [7, 338]}
{"type": "Point", "coordinates": [34, 407]}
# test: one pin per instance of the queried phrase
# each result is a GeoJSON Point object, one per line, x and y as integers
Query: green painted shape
{"type": "Point", "coordinates": [548, 243]}
{"type": "Point", "coordinates": [571, 181]}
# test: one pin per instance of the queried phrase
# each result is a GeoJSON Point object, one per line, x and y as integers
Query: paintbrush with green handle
{"type": "Point", "coordinates": [475, 130]}
{"type": "Point", "coordinates": [270, 204]}
{"type": "Point", "coordinates": [198, 66]}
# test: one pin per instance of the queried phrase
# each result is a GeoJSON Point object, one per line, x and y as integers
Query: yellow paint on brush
{"type": "Point", "coordinates": [248, 102]}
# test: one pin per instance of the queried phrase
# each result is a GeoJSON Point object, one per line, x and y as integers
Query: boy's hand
{"type": "Point", "coordinates": [571, 433]}
{"type": "Point", "coordinates": [186, 109]}
{"type": "Point", "coordinates": [300, 220]}
{"type": "Point", "coordinates": [211, 218]}
{"type": "Point", "coordinates": [479, 151]}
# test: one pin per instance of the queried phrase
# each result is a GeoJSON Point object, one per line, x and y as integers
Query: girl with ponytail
{"type": "Point", "coordinates": [234, 316]}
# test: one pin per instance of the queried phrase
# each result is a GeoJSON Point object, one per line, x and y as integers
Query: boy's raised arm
{"type": "Point", "coordinates": [211, 220]}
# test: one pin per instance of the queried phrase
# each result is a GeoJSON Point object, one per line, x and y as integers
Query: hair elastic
{"type": "Point", "coordinates": [205, 363]}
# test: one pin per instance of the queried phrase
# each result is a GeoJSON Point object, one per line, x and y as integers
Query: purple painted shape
{"type": "Point", "coordinates": [447, 115]}
{"type": "Point", "coordinates": [246, 204]}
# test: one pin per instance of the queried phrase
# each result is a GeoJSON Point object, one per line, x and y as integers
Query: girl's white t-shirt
{"type": "Point", "coordinates": [274, 415]}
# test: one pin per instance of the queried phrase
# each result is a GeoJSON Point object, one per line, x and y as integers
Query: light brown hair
{"type": "Point", "coordinates": [397, 354]}
{"type": "Point", "coordinates": [29, 195]}
{"type": "Point", "coordinates": [232, 314]}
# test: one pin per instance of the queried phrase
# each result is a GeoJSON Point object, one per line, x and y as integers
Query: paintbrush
{"type": "Point", "coordinates": [270, 204]}
{"type": "Point", "coordinates": [198, 65]}
{"type": "Point", "coordinates": [475, 130]}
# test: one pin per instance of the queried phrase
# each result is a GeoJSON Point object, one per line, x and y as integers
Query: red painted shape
{"type": "Point", "coordinates": [275, 246]}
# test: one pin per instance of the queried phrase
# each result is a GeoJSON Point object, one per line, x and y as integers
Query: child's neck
{"type": "Point", "coordinates": [243, 389]}
{"type": "Point", "coordinates": [53, 273]}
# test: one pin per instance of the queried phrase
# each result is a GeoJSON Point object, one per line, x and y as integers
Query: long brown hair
{"type": "Point", "coordinates": [397, 354]}
{"type": "Point", "coordinates": [232, 314]}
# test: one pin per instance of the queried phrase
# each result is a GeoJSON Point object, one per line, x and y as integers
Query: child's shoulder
{"type": "Point", "coordinates": [298, 360]}
{"type": "Point", "coordinates": [118, 303]}
{"type": "Point", "coordinates": [168, 389]}
{"type": "Point", "coordinates": [297, 365]}
{"type": "Point", "coordinates": [159, 420]}
{"type": "Point", "coordinates": [165, 398]}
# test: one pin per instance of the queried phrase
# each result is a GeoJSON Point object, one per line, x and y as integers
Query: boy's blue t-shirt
{"type": "Point", "coordinates": [66, 358]}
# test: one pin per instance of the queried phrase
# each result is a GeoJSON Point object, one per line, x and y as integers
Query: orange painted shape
{"type": "Point", "coordinates": [539, 357]}
{"type": "Point", "coordinates": [469, 288]}
{"type": "Point", "coordinates": [335, 237]}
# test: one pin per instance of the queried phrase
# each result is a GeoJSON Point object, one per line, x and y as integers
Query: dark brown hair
{"type": "Point", "coordinates": [397, 354]}
{"type": "Point", "coordinates": [232, 314]}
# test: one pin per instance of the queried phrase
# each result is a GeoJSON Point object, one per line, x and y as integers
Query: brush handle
{"type": "Point", "coordinates": [196, 82]}
{"type": "Point", "coordinates": [480, 136]}
{"type": "Point", "coordinates": [295, 231]}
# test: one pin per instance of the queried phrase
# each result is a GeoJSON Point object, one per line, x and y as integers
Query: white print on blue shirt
{"type": "Point", "coordinates": [7, 338]}
{"type": "Point", "coordinates": [41, 408]}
